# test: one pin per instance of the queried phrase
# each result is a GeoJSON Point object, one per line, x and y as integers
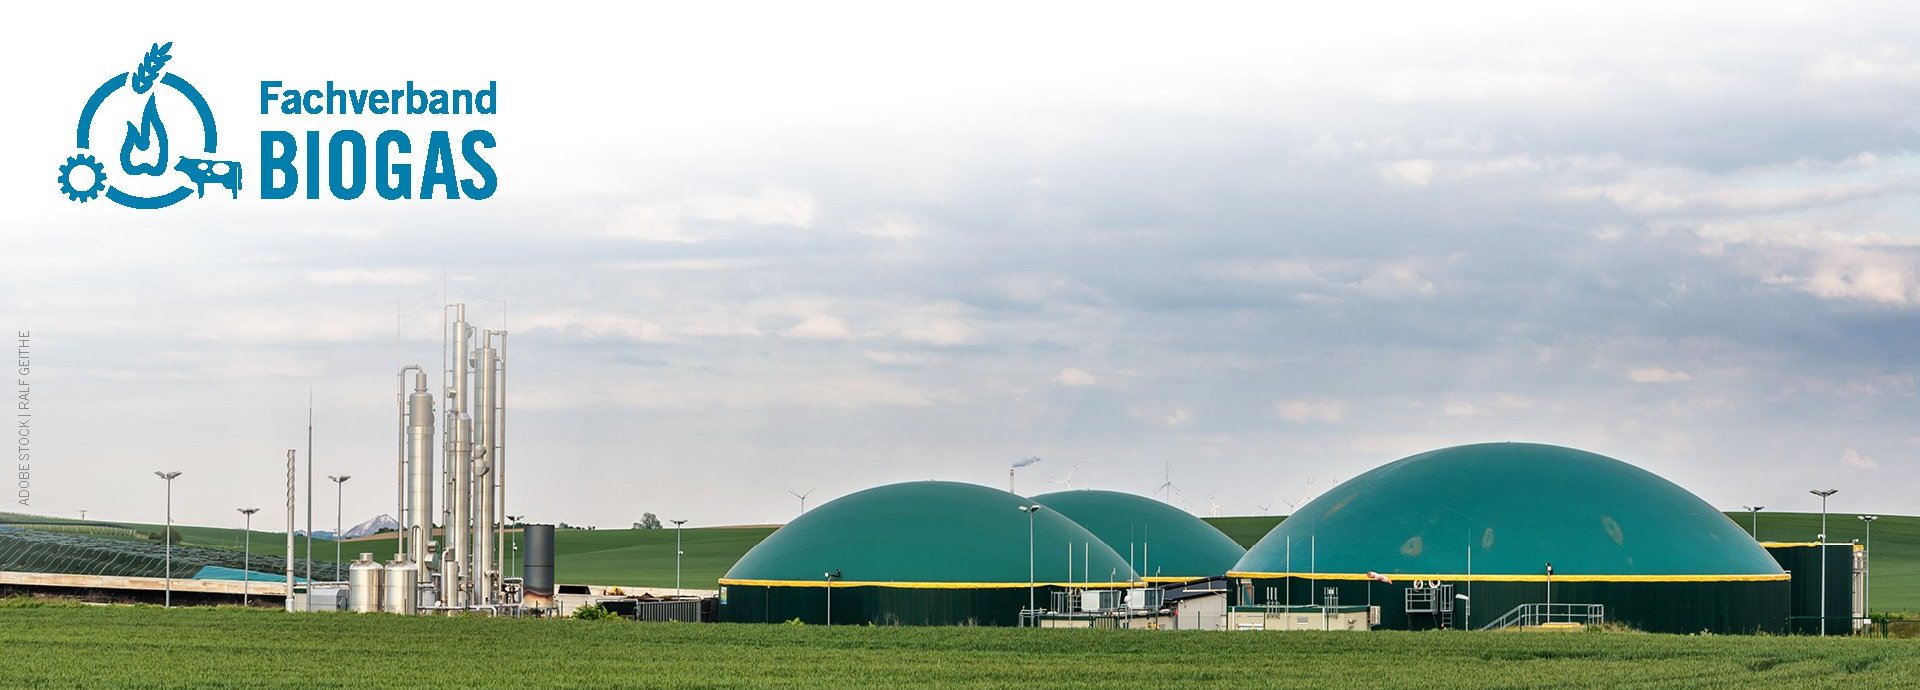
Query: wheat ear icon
{"type": "Point", "coordinates": [149, 71]}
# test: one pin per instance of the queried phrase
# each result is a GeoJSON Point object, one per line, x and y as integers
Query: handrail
{"type": "Point", "coordinates": [1535, 615]}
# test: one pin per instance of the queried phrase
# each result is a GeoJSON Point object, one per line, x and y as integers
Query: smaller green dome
{"type": "Point", "coordinates": [1163, 542]}
{"type": "Point", "coordinates": [930, 534]}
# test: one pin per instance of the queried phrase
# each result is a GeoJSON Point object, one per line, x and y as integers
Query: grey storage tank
{"type": "Point", "coordinates": [400, 591]}
{"type": "Point", "coordinates": [363, 584]}
{"type": "Point", "coordinates": [538, 567]}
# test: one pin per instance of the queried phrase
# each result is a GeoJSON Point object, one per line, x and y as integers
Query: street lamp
{"type": "Point", "coordinates": [169, 477]}
{"type": "Point", "coordinates": [339, 490]}
{"type": "Point", "coordinates": [246, 555]}
{"type": "Point", "coordinates": [1866, 597]}
{"type": "Point", "coordinates": [1756, 520]}
{"type": "Point", "coordinates": [1030, 510]}
{"type": "Point", "coordinates": [1823, 554]}
{"type": "Point", "coordinates": [831, 576]}
{"type": "Point", "coordinates": [677, 553]}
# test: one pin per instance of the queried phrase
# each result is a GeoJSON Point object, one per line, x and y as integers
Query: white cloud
{"type": "Point", "coordinates": [896, 358]}
{"type": "Point", "coordinates": [1075, 377]}
{"type": "Point", "coordinates": [819, 327]}
{"type": "Point", "coordinates": [1853, 458]}
{"type": "Point", "coordinates": [1657, 375]}
{"type": "Point", "coordinates": [1311, 411]}
{"type": "Point", "coordinates": [1412, 173]}
{"type": "Point", "coordinates": [940, 332]}
{"type": "Point", "coordinates": [694, 218]}
{"type": "Point", "coordinates": [353, 276]}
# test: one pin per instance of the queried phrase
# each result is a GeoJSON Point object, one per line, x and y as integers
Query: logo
{"type": "Point", "coordinates": [146, 176]}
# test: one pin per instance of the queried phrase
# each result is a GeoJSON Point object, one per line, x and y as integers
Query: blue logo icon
{"type": "Point", "coordinates": [144, 178]}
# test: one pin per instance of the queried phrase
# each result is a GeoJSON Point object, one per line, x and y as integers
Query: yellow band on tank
{"type": "Point", "coordinates": [1483, 577]}
{"type": "Point", "coordinates": [1168, 580]}
{"type": "Point", "coordinates": [926, 585]}
{"type": "Point", "coordinates": [1808, 544]}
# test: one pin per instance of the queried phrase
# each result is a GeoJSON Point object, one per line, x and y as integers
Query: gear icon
{"type": "Point", "coordinates": [92, 190]}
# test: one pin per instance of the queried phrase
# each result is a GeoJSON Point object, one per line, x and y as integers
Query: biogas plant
{"type": "Point", "coordinates": [1488, 536]}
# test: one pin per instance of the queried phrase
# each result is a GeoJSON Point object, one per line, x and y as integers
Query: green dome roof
{"type": "Point", "coordinates": [1518, 506]}
{"type": "Point", "coordinates": [1163, 542]}
{"type": "Point", "coordinates": [929, 534]}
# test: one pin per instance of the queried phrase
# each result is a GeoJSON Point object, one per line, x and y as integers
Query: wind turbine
{"type": "Point", "coordinates": [1215, 510]}
{"type": "Point", "coordinates": [803, 499]}
{"type": "Point", "coordinates": [1168, 486]}
{"type": "Point", "coordinates": [1068, 481]}
{"type": "Point", "coordinates": [1265, 508]}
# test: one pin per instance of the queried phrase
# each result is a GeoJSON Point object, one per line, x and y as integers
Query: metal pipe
{"type": "Point", "coordinates": [460, 530]}
{"type": "Point", "coordinates": [400, 457]}
{"type": "Point", "coordinates": [419, 459]}
{"type": "Point", "coordinates": [500, 459]}
{"type": "Point", "coordinates": [485, 378]}
{"type": "Point", "coordinates": [290, 465]}
{"type": "Point", "coordinates": [457, 532]}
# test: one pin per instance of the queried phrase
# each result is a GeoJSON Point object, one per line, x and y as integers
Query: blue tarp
{"type": "Point", "coordinates": [214, 572]}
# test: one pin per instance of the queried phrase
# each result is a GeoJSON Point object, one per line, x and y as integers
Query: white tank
{"type": "Point", "coordinates": [401, 591]}
{"type": "Point", "coordinates": [363, 584]}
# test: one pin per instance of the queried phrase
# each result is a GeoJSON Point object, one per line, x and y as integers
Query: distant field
{"type": "Point", "coordinates": [76, 646]}
{"type": "Point", "coordinates": [645, 557]}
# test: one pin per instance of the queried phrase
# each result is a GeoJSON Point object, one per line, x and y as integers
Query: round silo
{"type": "Point", "coordinates": [363, 584]}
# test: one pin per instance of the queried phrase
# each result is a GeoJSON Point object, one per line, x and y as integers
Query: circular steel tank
{"type": "Point", "coordinates": [400, 593]}
{"type": "Point", "coordinates": [363, 584]}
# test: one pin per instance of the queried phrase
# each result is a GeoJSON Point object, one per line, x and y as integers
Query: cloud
{"type": "Point", "coordinates": [940, 332]}
{"type": "Point", "coordinates": [1311, 411]}
{"type": "Point", "coordinates": [1657, 375]}
{"type": "Point", "coordinates": [702, 217]}
{"type": "Point", "coordinates": [1853, 458]}
{"type": "Point", "coordinates": [1075, 377]}
{"type": "Point", "coordinates": [819, 327]}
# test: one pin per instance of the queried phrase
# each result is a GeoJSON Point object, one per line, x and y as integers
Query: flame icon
{"type": "Point", "coordinates": [151, 133]}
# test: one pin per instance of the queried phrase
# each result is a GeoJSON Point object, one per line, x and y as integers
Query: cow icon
{"type": "Point", "coordinates": [202, 172]}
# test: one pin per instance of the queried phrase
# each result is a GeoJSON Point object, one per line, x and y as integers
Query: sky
{"type": "Point", "coordinates": [745, 250]}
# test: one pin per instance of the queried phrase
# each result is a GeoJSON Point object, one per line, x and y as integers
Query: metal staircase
{"type": "Point", "coordinates": [1550, 617]}
{"type": "Point", "coordinates": [1435, 601]}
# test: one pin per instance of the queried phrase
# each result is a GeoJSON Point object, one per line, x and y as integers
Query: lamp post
{"type": "Point", "coordinates": [677, 553]}
{"type": "Point", "coordinates": [246, 555]}
{"type": "Point", "coordinates": [1755, 510]}
{"type": "Point", "coordinates": [339, 491]}
{"type": "Point", "coordinates": [1866, 597]}
{"type": "Point", "coordinates": [831, 576]}
{"type": "Point", "coordinates": [1823, 494]}
{"type": "Point", "coordinates": [169, 476]}
{"type": "Point", "coordinates": [1030, 510]}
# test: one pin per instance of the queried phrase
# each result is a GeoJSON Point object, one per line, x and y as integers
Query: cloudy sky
{"type": "Point", "coordinates": [749, 249]}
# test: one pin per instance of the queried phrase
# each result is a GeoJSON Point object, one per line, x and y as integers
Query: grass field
{"type": "Point", "coordinates": [77, 646]}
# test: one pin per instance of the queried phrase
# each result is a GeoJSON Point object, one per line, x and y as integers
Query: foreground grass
{"type": "Point", "coordinates": [73, 646]}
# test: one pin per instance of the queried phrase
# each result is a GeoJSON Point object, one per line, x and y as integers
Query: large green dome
{"type": "Point", "coordinates": [930, 534]}
{"type": "Point", "coordinates": [1517, 507]}
{"type": "Point", "coordinates": [1164, 543]}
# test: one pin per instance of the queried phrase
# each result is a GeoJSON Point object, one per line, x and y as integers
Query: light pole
{"type": "Point", "coordinates": [169, 476]}
{"type": "Point", "coordinates": [246, 555]}
{"type": "Point", "coordinates": [1755, 510]}
{"type": "Point", "coordinates": [1030, 510]}
{"type": "Point", "coordinates": [677, 553]}
{"type": "Point", "coordinates": [1823, 554]}
{"type": "Point", "coordinates": [514, 558]}
{"type": "Point", "coordinates": [339, 491]}
{"type": "Point", "coordinates": [831, 576]}
{"type": "Point", "coordinates": [1866, 597]}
